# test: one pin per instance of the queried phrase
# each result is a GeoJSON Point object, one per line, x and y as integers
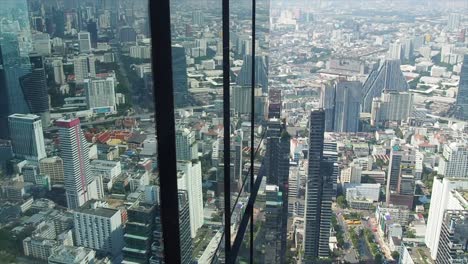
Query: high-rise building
{"type": "Point", "coordinates": [179, 73]}
{"type": "Point", "coordinates": [186, 144]}
{"type": "Point", "coordinates": [242, 98]}
{"type": "Point", "coordinates": [453, 23]}
{"type": "Point", "coordinates": [277, 170]}
{"type": "Point", "coordinates": [391, 106]}
{"type": "Point", "coordinates": [79, 183]}
{"type": "Point", "coordinates": [190, 180]}
{"type": "Point", "coordinates": [453, 245]}
{"type": "Point", "coordinates": [93, 32]}
{"type": "Point", "coordinates": [100, 95]}
{"type": "Point", "coordinates": [53, 167]}
{"type": "Point", "coordinates": [99, 228]}
{"type": "Point", "coordinates": [261, 72]}
{"type": "Point", "coordinates": [327, 103]}
{"type": "Point", "coordinates": [59, 76]}
{"type": "Point", "coordinates": [407, 49]}
{"type": "Point", "coordinates": [395, 51]}
{"type": "Point", "coordinates": [401, 166]}
{"type": "Point", "coordinates": [462, 96]}
{"type": "Point", "coordinates": [85, 68]}
{"type": "Point", "coordinates": [27, 137]}
{"type": "Point", "coordinates": [84, 41]}
{"type": "Point", "coordinates": [447, 194]}
{"type": "Point", "coordinates": [274, 103]}
{"type": "Point", "coordinates": [186, 244]}
{"type": "Point", "coordinates": [454, 161]}
{"type": "Point", "coordinates": [273, 220]}
{"type": "Point", "coordinates": [319, 190]}
{"type": "Point", "coordinates": [347, 106]}
{"type": "Point", "coordinates": [138, 235]}
{"type": "Point", "coordinates": [387, 77]}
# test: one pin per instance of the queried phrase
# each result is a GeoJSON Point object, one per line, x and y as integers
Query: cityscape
{"type": "Point", "coordinates": [347, 128]}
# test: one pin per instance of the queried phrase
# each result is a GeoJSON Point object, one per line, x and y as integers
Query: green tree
{"type": "Point", "coordinates": [395, 255]}
{"type": "Point", "coordinates": [341, 200]}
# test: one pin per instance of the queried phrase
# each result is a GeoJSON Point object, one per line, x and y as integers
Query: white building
{"type": "Point", "coordinates": [27, 137]}
{"type": "Point", "coordinates": [84, 67]}
{"type": "Point", "coordinates": [186, 144]}
{"type": "Point", "coordinates": [99, 228]}
{"type": "Point", "coordinates": [394, 51]}
{"type": "Point", "coordinates": [108, 169]}
{"type": "Point", "coordinates": [39, 248]}
{"type": "Point", "coordinates": [454, 161]}
{"type": "Point", "coordinates": [80, 186]}
{"type": "Point", "coordinates": [100, 94]}
{"type": "Point", "coordinates": [69, 254]}
{"type": "Point", "coordinates": [42, 44]}
{"type": "Point", "coordinates": [392, 106]}
{"type": "Point", "coordinates": [84, 40]}
{"type": "Point", "coordinates": [368, 191]}
{"type": "Point", "coordinates": [140, 52]}
{"type": "Point", "coordinates": [59, 75]}
{"type": "Point", "coordinates": [444, 197]}
{"type": "Point", "coordinates": [190, 179]}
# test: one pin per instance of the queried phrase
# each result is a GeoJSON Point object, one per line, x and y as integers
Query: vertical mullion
{"type": "Point", "coordinates": [160, 17]}
{"type": "Point", "coordinates": [252, 134]}
{"type": "Point", "coordinates": [227, 132]}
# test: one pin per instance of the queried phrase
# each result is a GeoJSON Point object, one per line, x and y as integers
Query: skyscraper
{"type": "Point", "coordinates": [186, 144]}
{"type": "Point", "coordinates": [190, 180]}
{"type": "Point", "coordinates": [84, 67]}
{"type": "Point", "coordinates": [444, 197]}
{"type": "Point", "coordinates": [319, 185]}
{"type": "Point", "coordinates": [388, 77]}
{"type": "Point", "coordinates": [79, 184]}
{"type": "Point", "coordinates": [327, 103]}
{"type": "Point", "coordinates": [454, 160]}
{"type": "Point", "coordinates": [186, 246]}
{"type": "Point", "coordinates": [462, 96]}
{"type": "Point", "coordinates": [179, 73]}
{"type": "Point", "coordinates": [100, 94]}
{"type": "Point", "coordinates": [401, 166]}
{"type": "Point", "coordinates": [138, 235]}
{"type": "Point", "coordinates": [391, 106]}
{"type": "Point", "coordinates": [453, 238]}
{"type": "Point", "coordinates": [453, 22]}
{"type": "Point", "coordinates": [277, 171]}
{"type": "Point", "coordinates": [84, 41]}
{"type": "Point", "coordinates": [395, 51]}
{"type": "Point", "coordinates": [347, 106]}
{"type": "Point", "coordinates": [59, 75]}
{"type": "Point", "coordinates": [27, 137]}
{"type": "Point", "coordinates": [261, 72]}
{"type": "Point", "coordinates": [53, 167]}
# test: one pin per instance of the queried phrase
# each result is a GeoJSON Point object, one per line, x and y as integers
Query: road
{"type": "Point", "coordinates": [350, 253]}
{"type": "Point", "coordinates": [372, 223]}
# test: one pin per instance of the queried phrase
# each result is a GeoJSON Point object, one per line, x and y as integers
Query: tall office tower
{"type": "Point", "coordinates": [100, 95]}
{"type": "Point", "coordinates": [34, 85]}
{"type": "Point", "coordinates": [84, 67]}
{"type": "Point", "coordinates": [327, 103]}
{"type": "Point", "coordinates": [391, 106]}
{"type": "Point", "coordinates": [319, 185]}
{"type": "Point", "coordinates": [395, 51]}
{"type": "Point", "coordinates": [84, 41]}
{"type": "Point", "coordinates": [462, 96]}
{"type": "Point", "coordinates": [407, 49]}
{"type": "Point", "coordinates": [198, 18]}
{"type": "Point", "coordinates": [186, 245]}
{"type": "Point", "coordinates": [453, 23]}
{"type": "Point", "coordinates": [453, 238]}
{"type": "Point", "coordinates": [42, 44]}
{"type": "Point", "coordinates": [179, 73]}
{"type": "Point", "coordinates": [277, 171]}
{"type": "Point", "coordinates": [138, 235]}
{"type": "Point", "coordinates": [59, 75]}
{"type": "Point", "coordinates": [93, 32]}
{"type": "Point", "coordinates": [128, 34]}
{"type": "Point", "coordinates": [241, 98]}
{"type": "Point", "coordinates": [53, 167]}
{"type": "Point", "coordinates": [454, 161]}
{"type": "Point", "coordinates": [388, 77]}
{"type": "Point", "coordinates": [79, 184]}
{"type": "Point", "coordinates": [190, 179]}
{"type": "Point", "coordinates": [274, 103]}
{"type": "Point", "coordinates": [273, 219]}
{"type": "Point", "coordinates": [399, 176]}
{"type": "Point", "coordinates": [261, 72]}
{"type": "Point", "coordinates": [447, 194]}
{"type": "Point", "coordinates": [186, 144]}
{"type": "Point", "coordinates": [99, 228]}
{"type": "Point", "coordinates": [27, 137]}
{"type": "Point", "coordinates": [347, 106]}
